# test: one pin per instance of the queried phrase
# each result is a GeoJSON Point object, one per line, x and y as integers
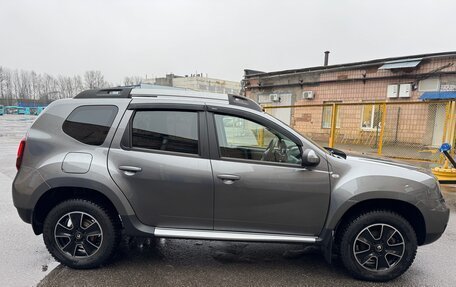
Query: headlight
{"type": "Point", "coordinates": [433, 191]}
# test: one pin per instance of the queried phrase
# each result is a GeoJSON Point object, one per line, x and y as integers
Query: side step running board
{"type": "Point", "coordinates": [234, 236]}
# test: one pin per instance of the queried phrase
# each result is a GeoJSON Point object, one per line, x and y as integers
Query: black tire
{"type": "Point", "coordinates": [100, 237]}
{"type": "Point", "coordinates": [385, 258]}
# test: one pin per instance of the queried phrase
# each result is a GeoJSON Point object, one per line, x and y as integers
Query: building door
{"type": "Point", "coordinates": [439, 123]}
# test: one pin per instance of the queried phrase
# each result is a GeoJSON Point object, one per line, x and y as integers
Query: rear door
{"type": "Point", "coordinates": [159, 159]}
{"type": "Point", "coordinates": [260, 185]}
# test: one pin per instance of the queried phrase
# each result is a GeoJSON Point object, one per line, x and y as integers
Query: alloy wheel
{"type": "Point", "coordinates": [379, 247]}
{"type": "Point", "coordinates": [78, 234]}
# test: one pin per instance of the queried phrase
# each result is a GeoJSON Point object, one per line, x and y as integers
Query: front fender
{"type": "Point", "coordinates": [338, 210]}
{"type": "Point", "coordinates": [360, 179]}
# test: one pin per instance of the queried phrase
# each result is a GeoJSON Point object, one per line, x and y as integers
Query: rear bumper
{"type": "Point", "coordinates": [24, 188]}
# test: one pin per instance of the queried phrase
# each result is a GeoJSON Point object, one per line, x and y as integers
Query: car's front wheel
{"type": "Point", "coordinates": [378, 246]}
{"type": "Point", "coordinates": [80, 233]}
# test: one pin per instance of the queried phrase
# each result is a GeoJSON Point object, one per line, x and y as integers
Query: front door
{"type": "Point", "coordinates": [162, 170]}
{"type": "Point", "coordinates": [260, 185]}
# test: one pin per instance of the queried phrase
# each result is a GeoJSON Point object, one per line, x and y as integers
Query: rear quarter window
{"type": "Point", "coordinates": [90, 124]}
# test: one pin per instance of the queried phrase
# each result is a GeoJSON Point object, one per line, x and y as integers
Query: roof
{"type": "Point", "coordinates": [189, 94]}
{"type": "Point", "coordinates": [134, 92]}
{"type": "Point", "coordinates": [438, 95]}
{"type": "Point", "coordinates": [350, 66]}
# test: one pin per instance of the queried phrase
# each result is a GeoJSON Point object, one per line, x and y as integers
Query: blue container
{"type": "Point", "coordinates": [11, 110]}
{"type": "Point", "coordinates": [20, 110]}
{"type": "Point", "coordinates": [39, 110]}
{"type": "Point", "coordinates": [2, 110]}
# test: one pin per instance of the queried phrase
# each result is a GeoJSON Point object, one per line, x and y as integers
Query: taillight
{"type": "Point", "coordinates": [20, 153]}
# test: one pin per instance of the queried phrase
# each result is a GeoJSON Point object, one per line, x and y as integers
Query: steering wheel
{"type": "Point", "coordinates": [269, 154]}
{"type": "Point", "coordinates": [279, 154]}
{"type": "Point", "coordinates": [282, 151]}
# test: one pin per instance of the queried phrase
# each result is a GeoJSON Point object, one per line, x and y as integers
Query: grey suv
{"type": "Point", "coordinates": [180, 164]}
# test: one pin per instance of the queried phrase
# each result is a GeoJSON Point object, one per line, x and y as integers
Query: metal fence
{"type": "Point", "coordinates": [402, 130]}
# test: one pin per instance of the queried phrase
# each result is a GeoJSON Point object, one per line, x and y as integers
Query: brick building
{"type": "Point", "coordinates": [430, 77]}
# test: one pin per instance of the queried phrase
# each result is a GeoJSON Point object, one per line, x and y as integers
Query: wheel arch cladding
{"type": "Point", "coordinates": [407, 210]}
{"type": "Point", "coordinates": [54, 196]}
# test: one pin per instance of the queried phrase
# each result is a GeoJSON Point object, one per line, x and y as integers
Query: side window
{"type": "Point", "coordinates": [90, 124]}
{"type": "Point", "coordinates": [244, 139]}
{"type": "Point", "coordinates": [175, 131]}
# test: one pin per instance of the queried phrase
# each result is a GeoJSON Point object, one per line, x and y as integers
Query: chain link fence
{"type": "Point", "coordinates": [402, 130]}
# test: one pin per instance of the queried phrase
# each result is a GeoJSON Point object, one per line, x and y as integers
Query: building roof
{"type": "Point", "coordinates": [401, 64]}
{"type": "Point", "coordinates": [351, 66]}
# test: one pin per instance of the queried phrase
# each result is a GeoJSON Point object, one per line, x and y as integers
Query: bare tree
{"type": "Point", "coordinates": [94, 80]}
{"type": "Point", "coordinates": [7, 85]}
{"type": "Point", "coordinates": [132, 81]}
{"type": "Point", "coordinates": [2, 82]}
{"type": "Point", "coordinates": [77, 84]}
{"type": "Point", "coordinates": [16, 84]}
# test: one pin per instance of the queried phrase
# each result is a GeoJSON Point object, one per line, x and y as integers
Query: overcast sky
{"type": "Point", "coordinates": [221, 38]}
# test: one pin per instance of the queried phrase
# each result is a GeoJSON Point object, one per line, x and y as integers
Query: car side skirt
{"type": "Point", "coordinates": [231, 236]}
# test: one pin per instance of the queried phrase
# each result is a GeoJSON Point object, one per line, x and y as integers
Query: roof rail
{"type": "Point", "coordinates": [178, 93]}
{"type": "Point", "coordinates": [128, 92]}
{"type": "Point", "coordinates": [244, 102]}
{"type": "Point", "coordinates": [119, 92]}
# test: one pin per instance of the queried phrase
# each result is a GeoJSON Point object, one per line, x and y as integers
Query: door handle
{"type": "Point", "coordinates": [228, 178]}
{"type": "Point", "coordinates": [130, 170]}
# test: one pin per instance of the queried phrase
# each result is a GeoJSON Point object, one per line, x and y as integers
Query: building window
{"type": "Point", "coordinates": [371, 118]}
{"type": "Point", "coordinates": [173, 131]}
{"type": "Point", "coordinates": [429, 85]}
{"type": "Point", "coordinates": [327, 115]}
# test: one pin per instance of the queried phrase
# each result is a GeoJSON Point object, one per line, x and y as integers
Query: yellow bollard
{"type": "Point", "coordinates": [382, 131]}
{"type": "Point", "coordinates": [445, 173]}
{"type": "Point", "coordinates": [332, 135]}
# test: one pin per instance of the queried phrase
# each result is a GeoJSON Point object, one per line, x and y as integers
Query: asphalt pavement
{"type": "Point", "coordinates": [172, 262]}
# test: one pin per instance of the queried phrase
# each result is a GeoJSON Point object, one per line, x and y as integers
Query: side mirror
{"type": "Point", "coordinates": [310, 158]}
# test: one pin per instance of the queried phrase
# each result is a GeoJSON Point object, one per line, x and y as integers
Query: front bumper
{"type": "Point", "coordinates": [436, 219]}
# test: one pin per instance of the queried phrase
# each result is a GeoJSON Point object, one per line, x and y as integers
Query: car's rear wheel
{"type": "Point", "coordinates": [81, 234]}
{"type": "Point", "coordinates": [378, 246]}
